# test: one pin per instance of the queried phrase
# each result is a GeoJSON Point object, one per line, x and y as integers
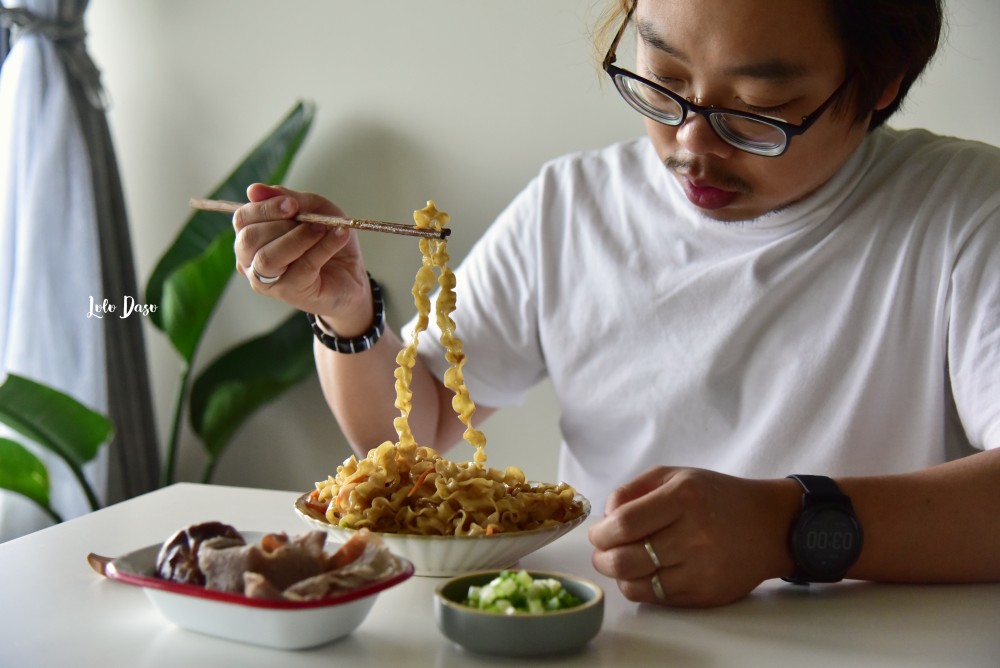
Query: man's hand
{"type": "Point", "coordinates": [312, 267]}
{"type": "Point", "coordinates": [716, 537]}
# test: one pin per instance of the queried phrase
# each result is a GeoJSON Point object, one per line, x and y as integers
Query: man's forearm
{"type": "Point", "coordinates": [935, 525]}
{"type": "Point", "coordinates": [360, 390]}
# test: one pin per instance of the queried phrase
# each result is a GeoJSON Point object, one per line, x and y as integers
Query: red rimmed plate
{"type": "Point", "coordinates": [272, 623]}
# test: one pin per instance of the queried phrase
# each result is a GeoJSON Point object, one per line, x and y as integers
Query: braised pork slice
{"type": "Point", "coordinates": [295, 568]}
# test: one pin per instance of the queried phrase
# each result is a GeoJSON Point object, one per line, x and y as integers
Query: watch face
{"type": "Point", "coordinates": [826, 542]}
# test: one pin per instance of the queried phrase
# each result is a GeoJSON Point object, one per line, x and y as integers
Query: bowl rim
{"type": "Point", "coordinates": [124, 569]}
{"type": "Point", "coordinates": [596, 601]}
{"type": "Point", "coordinates": [312, 517]}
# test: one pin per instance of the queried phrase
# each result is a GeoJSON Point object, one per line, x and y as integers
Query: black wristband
{"type": "Point", "coordinates": [358, 343]}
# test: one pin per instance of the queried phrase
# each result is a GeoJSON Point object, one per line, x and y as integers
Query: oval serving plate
{"type": "Point", "coordinates": [445, 556]}
{"type": "Point", "coordinates": [271, 623]}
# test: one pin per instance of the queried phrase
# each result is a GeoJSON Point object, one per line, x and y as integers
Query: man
{"type": "Point", "coordinates": [770, 283]}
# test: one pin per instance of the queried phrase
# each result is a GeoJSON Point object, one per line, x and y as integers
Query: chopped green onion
{"type": "Point", "coordinates": [515, 592]}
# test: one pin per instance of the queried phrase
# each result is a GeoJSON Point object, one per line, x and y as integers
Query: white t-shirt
{"type": "Point", "coordinates": [855, 332]}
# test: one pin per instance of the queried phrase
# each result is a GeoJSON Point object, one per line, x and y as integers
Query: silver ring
{"type": "Point", "coordinates": [657, 587]}
{"type": "Point", "coordinates": [652, 556]}
{"type": "Point", "coordinates": [266, 280]}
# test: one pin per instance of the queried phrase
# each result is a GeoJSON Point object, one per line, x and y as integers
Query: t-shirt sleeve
{"type": "Point", "coordinates": [974, 329]}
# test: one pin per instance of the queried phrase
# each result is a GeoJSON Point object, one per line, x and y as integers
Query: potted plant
{"type": "Point", "coordinates": [186, 286]}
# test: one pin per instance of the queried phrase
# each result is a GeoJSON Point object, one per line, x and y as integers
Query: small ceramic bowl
{"type": "Point", "coordinates": [445, 556]}
{"type": "Point", "coordinates": [272, 623]}
{"type": "Point", "coordinates": [522, 634]}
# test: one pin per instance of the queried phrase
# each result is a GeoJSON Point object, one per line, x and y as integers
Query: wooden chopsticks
{"type": "Point", "coordinates": [222, 206]}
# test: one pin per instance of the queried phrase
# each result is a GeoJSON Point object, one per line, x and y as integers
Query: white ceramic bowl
{"type": "Point", "coordinates": [443, 556]}
{"type": "Point", "coordinates": [523, 634]}
{"type": "Point", "coordinates": [280, 624]}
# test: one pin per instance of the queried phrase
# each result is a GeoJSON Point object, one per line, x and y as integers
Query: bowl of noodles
{"type": "Point", "coordinates": [447, 518]}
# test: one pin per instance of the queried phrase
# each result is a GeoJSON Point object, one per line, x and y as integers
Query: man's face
{"type": "Point", "coordinates": [776, 58]}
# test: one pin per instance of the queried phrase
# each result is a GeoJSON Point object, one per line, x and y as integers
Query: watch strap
{"type": "Point", "coordinates": [820, 489]}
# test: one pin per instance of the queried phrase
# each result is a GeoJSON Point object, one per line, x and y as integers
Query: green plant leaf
{"type": "Point", "coordinates": [23, 473]}
{"type": "Point", "coordinates": [192, 292]}
{"type": "Point", "coordinates": [246, 377]}
{"type": "Point", "coordinates": [54, 420]}
{"type": "Point", "coordinates": [186, 296]}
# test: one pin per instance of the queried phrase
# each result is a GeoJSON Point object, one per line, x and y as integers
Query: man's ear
{"type": "Point", "coordinates": [889, 94]}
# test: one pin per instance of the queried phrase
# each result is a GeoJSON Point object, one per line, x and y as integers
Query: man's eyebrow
{"type": "Point", "coordinates": [653, 39]}
{"type": "Point", "coordinates": [775, 69]}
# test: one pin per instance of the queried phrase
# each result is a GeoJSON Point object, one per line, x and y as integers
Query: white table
{"type": "Point", "coordinates": [55, 611]}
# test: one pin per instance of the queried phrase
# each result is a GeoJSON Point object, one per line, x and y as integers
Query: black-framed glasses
{"type": "Point", "coordinates": [753, 133]}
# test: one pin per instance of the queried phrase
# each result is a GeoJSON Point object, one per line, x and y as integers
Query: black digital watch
{"type": "Point", "coordinates": [826, 537]}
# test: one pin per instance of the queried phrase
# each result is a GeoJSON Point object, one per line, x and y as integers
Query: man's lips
{"type": "Point", "coordinates": [706, 196]}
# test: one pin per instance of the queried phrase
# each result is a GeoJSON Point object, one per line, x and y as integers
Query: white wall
{"type": "Point", "coordinates": [456, 101]}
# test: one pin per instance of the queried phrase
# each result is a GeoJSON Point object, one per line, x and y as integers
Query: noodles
{"type": "Point", "coordinates": [403, 487]}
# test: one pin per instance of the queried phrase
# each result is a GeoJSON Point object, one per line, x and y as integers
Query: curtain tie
{"type": "Point", "coordinates": [69, 40]}
{"type": "Point", "coordinates": [20, 20]}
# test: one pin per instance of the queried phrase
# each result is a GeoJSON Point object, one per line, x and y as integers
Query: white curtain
{"type": "Point", "coordinates": [50, 264]}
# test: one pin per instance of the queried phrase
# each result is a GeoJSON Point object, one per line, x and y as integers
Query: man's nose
{"type": "Point", "coordinates": [698, 137]}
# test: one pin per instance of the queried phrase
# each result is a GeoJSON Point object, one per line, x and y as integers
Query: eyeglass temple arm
{"type": "Point", "coordinates": [610, 57]}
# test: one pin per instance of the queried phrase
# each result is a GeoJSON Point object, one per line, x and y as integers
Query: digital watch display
{"type": "Point", "coordinates": [826, 537]}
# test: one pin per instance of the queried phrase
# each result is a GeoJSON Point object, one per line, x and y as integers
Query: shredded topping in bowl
{"type": "Point", "coordinates": [515, 592]}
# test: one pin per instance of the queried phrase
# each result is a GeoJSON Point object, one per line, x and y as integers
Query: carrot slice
{"type": "Point", "coordinates": [419, 482]}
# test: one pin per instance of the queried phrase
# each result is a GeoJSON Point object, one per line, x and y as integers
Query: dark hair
{"type": "Point", "coordinates": [883, 40]}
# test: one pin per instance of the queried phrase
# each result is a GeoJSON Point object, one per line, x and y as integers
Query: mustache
{"type": "Point", "coordinates": [719, 179]}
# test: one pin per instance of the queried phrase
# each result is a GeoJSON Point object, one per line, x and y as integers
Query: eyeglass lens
{"type": "Point", "coordinates": [746, 133]}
